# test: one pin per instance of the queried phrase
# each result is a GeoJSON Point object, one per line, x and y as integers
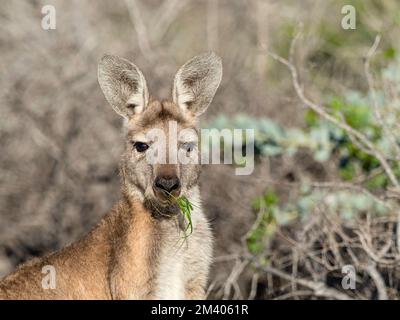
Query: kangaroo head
{"type": "Point", "coordinates": [161, 156]}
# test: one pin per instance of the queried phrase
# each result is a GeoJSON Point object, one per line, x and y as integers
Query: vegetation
{"type": "Point", "coordinates": [186, 208]}
{"type": "Point", "coordinates": [360, 133]}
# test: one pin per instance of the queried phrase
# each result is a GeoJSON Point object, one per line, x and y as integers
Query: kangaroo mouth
{"type": "Point", "coordinates": [161, 196]}
{"type": "Point", "coordinates": [162, 205]}
{"type": "Point", "coordinates": [165, 198]}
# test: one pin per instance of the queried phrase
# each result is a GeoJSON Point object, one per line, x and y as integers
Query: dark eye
{"type": "Point", "coordinates": [189, 147]}
{"type": "Point", "coordinates": [140, 146]}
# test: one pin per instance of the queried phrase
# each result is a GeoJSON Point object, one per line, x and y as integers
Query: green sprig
{"type": "Point", "coordinates": [186, 208]}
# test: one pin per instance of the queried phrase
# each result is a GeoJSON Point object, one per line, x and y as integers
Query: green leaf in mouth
{"type": "Point", "coordinates": [186, 208]}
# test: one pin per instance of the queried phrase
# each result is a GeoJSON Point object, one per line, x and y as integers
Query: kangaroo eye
{"type": "Point", "coordinates": [140, 146]}
{"type": "Point", "coordinates": [188, 147]}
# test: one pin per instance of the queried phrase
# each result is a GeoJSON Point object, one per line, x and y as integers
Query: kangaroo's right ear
{"type": "Point", "coordinates": [123, 85]}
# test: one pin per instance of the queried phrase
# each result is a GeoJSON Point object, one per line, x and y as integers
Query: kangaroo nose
{"type": "Point", "coordinates": [168, 184]}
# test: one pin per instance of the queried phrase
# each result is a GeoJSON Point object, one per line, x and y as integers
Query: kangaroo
{"type": "Point", "coordinates": [137, 250]}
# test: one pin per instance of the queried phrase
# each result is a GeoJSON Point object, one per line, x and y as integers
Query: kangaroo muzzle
{"type": "Point", "coordinates": [165, 186]}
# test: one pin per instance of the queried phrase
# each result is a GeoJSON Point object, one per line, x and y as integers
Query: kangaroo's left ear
{"type": "Point", "coordinates": [196, 82]}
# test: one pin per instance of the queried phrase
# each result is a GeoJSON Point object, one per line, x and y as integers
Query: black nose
{"type": "Point", "coordinates": [168, 184]}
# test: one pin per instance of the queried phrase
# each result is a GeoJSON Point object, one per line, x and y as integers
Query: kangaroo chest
{"type": "Point", "coordinates": [169, 281]}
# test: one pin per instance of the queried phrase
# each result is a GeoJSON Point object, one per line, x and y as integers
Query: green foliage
{"type": "Point", "coordinates": [271, 139]}
{"type": "Point", "coordinates": [358, 111]}
{"type": "Point", "coordinates": [270, 217]}
{"type": "Point", "coordinates": [266, 206]}
{"type": "Point", "coordinates": [390, 53]}
{"type": "Point", "coordinates": [324, 140]}
{"type": "Point", "coordinates": [348, 204]}
{"type": "Point", "coordinates": [186, 208]}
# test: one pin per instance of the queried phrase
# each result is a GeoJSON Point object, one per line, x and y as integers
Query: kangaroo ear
{"type": "Point", "coordinates": [196, 82]}
{"type": "Point", "coordinates": [123, 85]}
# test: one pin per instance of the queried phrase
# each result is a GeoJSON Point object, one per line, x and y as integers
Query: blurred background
{"type": "Point", "coordinates": [319, 197]}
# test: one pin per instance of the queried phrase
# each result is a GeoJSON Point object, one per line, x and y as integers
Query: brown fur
{"type": "Point", "coordinates": [116, 260]}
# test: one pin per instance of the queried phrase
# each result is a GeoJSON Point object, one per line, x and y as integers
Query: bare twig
{"type": "Point", "coordinates": [380, 284]}
{"type": "Point", "coordinates": [319, 288]}
{"type": "Point", "coordinates": [253, 290]}
{"type": "Point", "coordinates": [350, 186]}
{"type": "Point", "coordinates": [297, 294]}
{"type": "Point", "coordinates": [231, 281]}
